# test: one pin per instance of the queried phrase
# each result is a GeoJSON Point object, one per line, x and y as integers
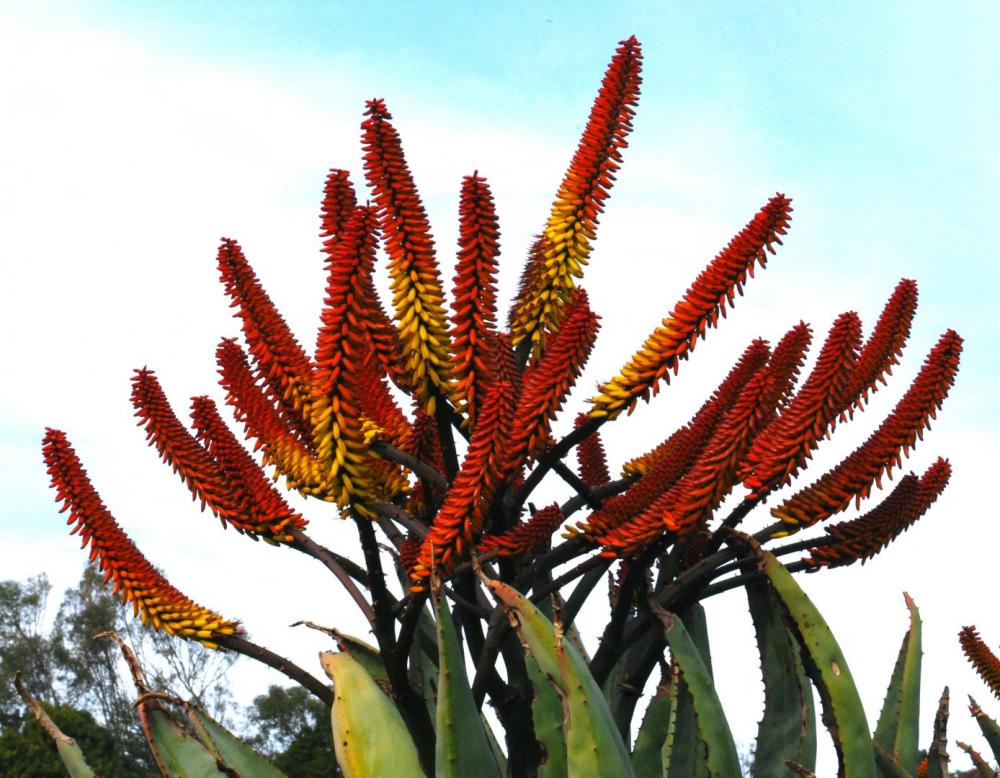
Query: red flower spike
{"type": "Point", "coordinates": [263, 511]}
{"type": "Point", "coordinates": [459, 522]}
{"type": "Point", "coordinates": [342, 351]}
{"type": "Point", "coordinates": [593, 461]}
{"type": "Point", "coordinates": [526, 536]}
{"type": "Point", "coordinates": [787, 442]}
{"type": "Point", "coordinates": [548, 380]}
{"type": "Point", "coordinates": [558, 257]}
{"type": "Point", "coordinates": [884, 346]}
{"type": "Point", "coordinates": [409, 553]}
{"type": "Point", "coordinates": [425, 445]}
{"type": "Point", "coordinates": [854, 476]}
{"type": "Point", "coordinates": [474, 305]}
{"type": "Point", "coordinates": [339, 201]}
{"type": "Point", "coordinates": [867, 535]}
{"type": "Point", "coordinates": [981, 658]}
{"type": "Point", "coordinates": [377, 404]}
{"type": "Point", "coordinates": [151, 594]}
{"type": "Point", "coordinates": [179, 449]}
{"type": "Point", "coordinates": [278, 358]}
{"type": "Point", "coordinates": [698, 310]}
{"type": "Point", "coordinates": [416, 283]}
{"type": "Point", "coordinates": [504, 361]}
{"type": "Point", "coordinates": [689, 504]}
{"type": "Point", "coordinates": [253, 408]}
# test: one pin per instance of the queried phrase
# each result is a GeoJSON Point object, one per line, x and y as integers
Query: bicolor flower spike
{"type": "Point", "coordinates": [152, 596]}
{"type": "Point", "coordinates": [700, 308]}
{"type": "Point", "coordinates": [853, 477]}
{"type": "Point", "coordinates": [559, 254]}
{"type": "Point", "coordinates": [279, 360]}
{"type": "Point", "coordinates": [416, 281]}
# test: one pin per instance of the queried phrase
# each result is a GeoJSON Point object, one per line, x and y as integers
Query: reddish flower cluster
{"type": "Point", "coordinates": [689, 503]}
{"type": "Point", "coordinates": [474, 306]}
{"type": "Point", "coordinates": [416, 282]}
{"type": "Point", "coordinates": [281, 363]}
{"type": "Point", "coordinates": [864, 537]}
{"type": "Point", "coordinates": [560, 253]}
{"type": "Point", "coordinates": [138, 582]}
{"type": "Point", "coordinates": [526, 536]}
{"type": "Point", "coordinates": [459, 521]}
{"type": "Point", "coordinates": [548, 380]}
{"type": "Point", "coordinates": [220, 473]}
{"type": "Point", "coordinates": [981, 658]}
{"type": "Point", "coordinates": [785, 444]}
{"type": "Point", "coordinates": [591, 458]}
{"type": "Point", "coordinates": [292, 457]}
{"type": "Point", "coordinates": [339, 201]}
{"type": "Point", "coordinates": [885, 345]}
{"type": "Point", "coordinates": [699, 309]}
{"type": "Point", "coordinates": [854, 476]}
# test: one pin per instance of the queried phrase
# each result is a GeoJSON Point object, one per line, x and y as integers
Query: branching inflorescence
{"type": "Point", "coordinates": [446, 479]}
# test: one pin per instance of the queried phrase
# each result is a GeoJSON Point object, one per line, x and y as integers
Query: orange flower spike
{"type": "Point", "coordinates": [690, 502]}
{"type": "Point", "coordinates": [179, 449]}
{"type": "Point", "coordinates": [340, 358]}
{"type": "Point", "coordinates": [548, 380]}
{"type": "Point", "coordinates": [416, 283]}
{"type": "Point", "coordinates": [526, 536]}
{"type": "Point", "coordinates": [263, 511]}
{"type": "Point", "coordinates": [474, 306]}
{"type": "Point", "coordinates": [262, 422]}
{"type": "Point", "coordinates": [699, 309]}
{"type": "Point", "coordinates": [864, 537]}
{"type": "Point", "coordinates": [377, 404]}
{"type": "Point", "coordinates": [883, 348]}
{"type": "Point", "coordinates": [854, 476]}
{"type": "Point", "coordinates": [591, 457]}
{"type": "Point", "coordinates": [278, 358]}
{"type": "Point", "coordinates": [981, 658]}
{"type": "Point", "coordinates": [786, 443]}
{"type": "Point", "coordinates": [458, 523]}
{"type": "Point", "coordinates": [151, 595]}
{"type": "Point", "coordinates": [786, 362]}
{"type": "Point", "coordinates": [558, 257]}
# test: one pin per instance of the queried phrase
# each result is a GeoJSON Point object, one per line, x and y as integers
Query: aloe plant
{"type": "Point", "coordinates": [471, 591]}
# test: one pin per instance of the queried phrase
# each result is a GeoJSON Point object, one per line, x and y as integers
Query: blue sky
{"type": "Point", "coordinates": [138, 133]}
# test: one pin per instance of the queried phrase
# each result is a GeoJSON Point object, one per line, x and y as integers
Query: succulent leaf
{"type": "Point", "coordinates": [369, 736]}
{"type": "Point", "coordinates": [898, 725]}
{"type": "Point", "coordinates": [69, 752]}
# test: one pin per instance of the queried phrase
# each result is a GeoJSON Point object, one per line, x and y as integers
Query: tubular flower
{"type": "Point", "coordinates": [378, 405]}
{"type": "Point", "coordinates": [263, 511]}
{"type": "Point", "coordinates": [474, 307]}
{"type": "Point", "coordinates": [409, 552]}
{"type": "Point", "coordinates": [416, 283]}
{"type": "Point", "coordinates": [884, 346]}
{"type": "Point", "coordinates": [504, 361]}
{"type": "Point", "coordinates": [564, 246]}
{"type": "Point", "coordinates": [854, 476]}
{"type": "Point", "coordinates": [698, 310]}
{"type": "Point", "coordinates": [340, 358]}
{"type": "Point", "coordinates": [138, 582]}
{"type": "Point", "coordinates": [262, 422]}
{"type": "Point", "coordinates": [178, 448]}
{"type": "Point", "coordinates": [549, 379]}
{"type": "Point", "coordinates": [425, 445]}
{"type": "Point", "coordinates": [591, 457]}
{"type": "Point", "coordinates": [688, 505]}
{"type": "Point", "coordinates": [459, 522]}
{"type": "Point", "coordinates": [526, 536]}
{"type": "Point", "coordinates": [787, 442]}
{"type": "Point", "coordinates": [279, 359]}
{"type": "Point", "coordinates": [981, 658]}
{"type": "Point", "coordinates": [866, 536]}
